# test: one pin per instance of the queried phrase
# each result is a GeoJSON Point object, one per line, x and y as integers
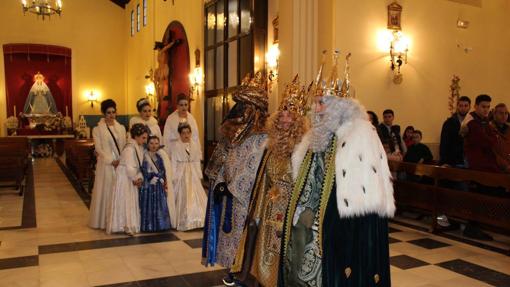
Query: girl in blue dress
{"type": "Point", "coordinates": [154, 212]}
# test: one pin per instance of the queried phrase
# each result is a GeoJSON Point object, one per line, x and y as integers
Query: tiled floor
{"type": "Point", "coordinates": [63, 251]}
{"type": "Point", "coordinates": [11, 208]}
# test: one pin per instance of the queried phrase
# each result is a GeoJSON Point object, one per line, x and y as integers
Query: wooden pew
{"type": "Point", "coordinates": [14, 159]}
{"type": "Point", "coordinates": [466, 205]}
{"type": "Point", "coordinates": [79, 159]}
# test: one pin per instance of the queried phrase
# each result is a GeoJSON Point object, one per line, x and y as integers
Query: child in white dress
{"type": "Point", "coordinates": [191, 199]}
{"type": "Point", "coordinates": [124, 212]}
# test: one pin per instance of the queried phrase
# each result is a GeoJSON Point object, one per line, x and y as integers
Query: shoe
{"type": "Point", "coordinates": [450, 227]}
{"type": "Point", "coordinates": [229, 280]}
{"type": "Point", "coordinates": [476, 233]}
{"type": "Point", "coordinates": [443, 221]}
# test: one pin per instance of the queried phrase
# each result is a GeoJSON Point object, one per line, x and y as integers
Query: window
{"type": "Point", "coordinates": [138, 18]}
{"type": "Point", "coordinates": [230, 44]}
{"type": "Point", "coordinates": [132, 23]}
{"type": "Point", "coordinates": [144, 13]}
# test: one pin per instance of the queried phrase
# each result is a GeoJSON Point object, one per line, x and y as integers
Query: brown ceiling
{"type": "Point", "coordinates": [121, 3]}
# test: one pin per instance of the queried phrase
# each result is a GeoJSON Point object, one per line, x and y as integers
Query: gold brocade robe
{"type": "Point", "coordinates": [270, 200]}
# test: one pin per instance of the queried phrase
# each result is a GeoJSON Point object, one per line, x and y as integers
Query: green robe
{"type": "Point", "coordinates": [322, 249]}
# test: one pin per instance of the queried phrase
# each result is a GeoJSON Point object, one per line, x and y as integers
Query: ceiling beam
{"type": "Point", "coordinates": [121, 3]}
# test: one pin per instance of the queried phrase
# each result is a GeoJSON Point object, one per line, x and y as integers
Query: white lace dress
{"type": "Point", "coordinates": [107, 152]}
{"type": "Point", "coordinates": [190, 196]}
{"type": "Point", "coordinates": [124, 212]}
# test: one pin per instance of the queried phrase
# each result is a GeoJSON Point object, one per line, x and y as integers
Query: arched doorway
{"type": "Point", "coordinates": [178, 70]}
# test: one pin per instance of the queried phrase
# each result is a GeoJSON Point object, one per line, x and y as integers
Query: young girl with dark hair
{"type": "Point", "coordinates": [124, 212]}
{"type": "Point", "coordinates": [157, 186]}
{"type": "Point", "coordinates": [190, 197]}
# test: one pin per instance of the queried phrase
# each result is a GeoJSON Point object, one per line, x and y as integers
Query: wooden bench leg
{"type": "Point", "coordinates": [433, 225]}
{"type": "Point", "coordinates": [22, 186]}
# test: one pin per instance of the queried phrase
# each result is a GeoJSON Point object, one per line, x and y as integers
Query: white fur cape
{"type": "Point", "coordinates": [363, 179]}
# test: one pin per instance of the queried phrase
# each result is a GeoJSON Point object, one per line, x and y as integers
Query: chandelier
{"type": "Point", "coordinates": [42, 7]}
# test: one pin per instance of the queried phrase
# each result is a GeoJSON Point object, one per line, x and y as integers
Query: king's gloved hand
{"type": "Point", "coordinates": [220, 190]}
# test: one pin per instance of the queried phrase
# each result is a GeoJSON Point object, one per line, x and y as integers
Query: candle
{"type": "Point", "coordinates": [15, 111]}
{"type": "Point", "coordinates": [66, 111]}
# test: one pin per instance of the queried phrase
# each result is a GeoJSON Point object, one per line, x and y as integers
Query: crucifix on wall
{"type": "Point", "coordinates": [163, 73]}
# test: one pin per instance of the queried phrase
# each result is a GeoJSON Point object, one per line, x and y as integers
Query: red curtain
{"type": "Point", "coordinates": [23, 61]}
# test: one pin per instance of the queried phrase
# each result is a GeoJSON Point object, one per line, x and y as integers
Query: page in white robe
{"type": "Point", "coordinates": [171, 134]}
{"type": "Point", "coordinates": [124, 212]}
{"type": "Point", "coordinates": [190, 196]}
{"type": "Point", "coordinates": [107, 152]}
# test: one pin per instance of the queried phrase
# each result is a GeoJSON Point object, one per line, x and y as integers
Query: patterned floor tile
{"type": "Point", "coordinates": [406, 262]}
{"type": "Point", "coordinates": [428, 243]}
{"type": "Point", "coordinates": [477, 272]}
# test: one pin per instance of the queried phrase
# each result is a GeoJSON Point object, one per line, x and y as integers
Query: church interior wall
{"type": "Point", "coordinates": [141, 57]}
{"type": "Point", "coordinates": [106, 58]}
{"type": "Point", "coordinates": [93, 30]}
{"type": "Point", "coordinates": [482, 61]}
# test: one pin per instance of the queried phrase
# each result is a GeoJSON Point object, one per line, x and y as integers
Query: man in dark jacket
{"type": "Point", "coordinates": [451, 148]}
{"type": "Point", "coordinates": [480, 138]}
{"type": "Point", "coordinates": [500, 123]}
{"type": "Point", "coordinates": [390, 134]}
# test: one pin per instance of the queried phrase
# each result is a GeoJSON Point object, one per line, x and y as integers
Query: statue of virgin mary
{"type": "Point", "coordinates": [39, 100]}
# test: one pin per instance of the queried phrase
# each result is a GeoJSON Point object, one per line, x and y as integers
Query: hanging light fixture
{"type": "Point", "coordinates": [42, 7]}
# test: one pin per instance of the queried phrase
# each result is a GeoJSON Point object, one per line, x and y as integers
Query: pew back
{"type": "Point", "coordinates": [475, 202]}
{"type": "Point", "coordinates": [14, 158]}
{"type": "Point", "coordinates": [79, 158]}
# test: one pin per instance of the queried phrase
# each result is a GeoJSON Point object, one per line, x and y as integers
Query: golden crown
{"type": "Point", "coordinates": [253, 91]}
{"type": "Point", "coordinates": [316, 88]}
{"type": "Point", "coordinates": [295, 98]}
{"type": "Point", "coordinates": [38, 77]}
{"type": "Point", "coordinates": [334, 86]}
{"type": "Point", "coordinates": [347, 91]}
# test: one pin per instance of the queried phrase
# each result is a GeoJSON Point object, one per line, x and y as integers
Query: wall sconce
{"type": "Point", "coordinates": [273, 56]}
{"type": "Point", "coordinates": [196, 77]}
{"type": "Point", "coordinates": [92, 97]}
{"type": "Point", "coordinates": [398, 52]}
{"type": "Point", "coordinates": [150, 89]}
{"type": "Point", "coordinates": [399, 45]}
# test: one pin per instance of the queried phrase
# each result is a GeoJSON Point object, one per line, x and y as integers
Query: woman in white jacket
{"type": "Point", "coordinates": [145, 117]}
{"type": "Point", "coordinates": [109, 141]}
{"type": "Point", "coordinates": [179, 116]}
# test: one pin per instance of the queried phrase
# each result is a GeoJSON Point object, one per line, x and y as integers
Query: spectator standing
{"type": "Point", "coordinates": [480, 138]}
{"type": "Point", "coordinates": [390, 136]}
{"type": "Point", "coordinates": [451, 147]}
{"type": "Point", "coordinates": [502, 150]}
